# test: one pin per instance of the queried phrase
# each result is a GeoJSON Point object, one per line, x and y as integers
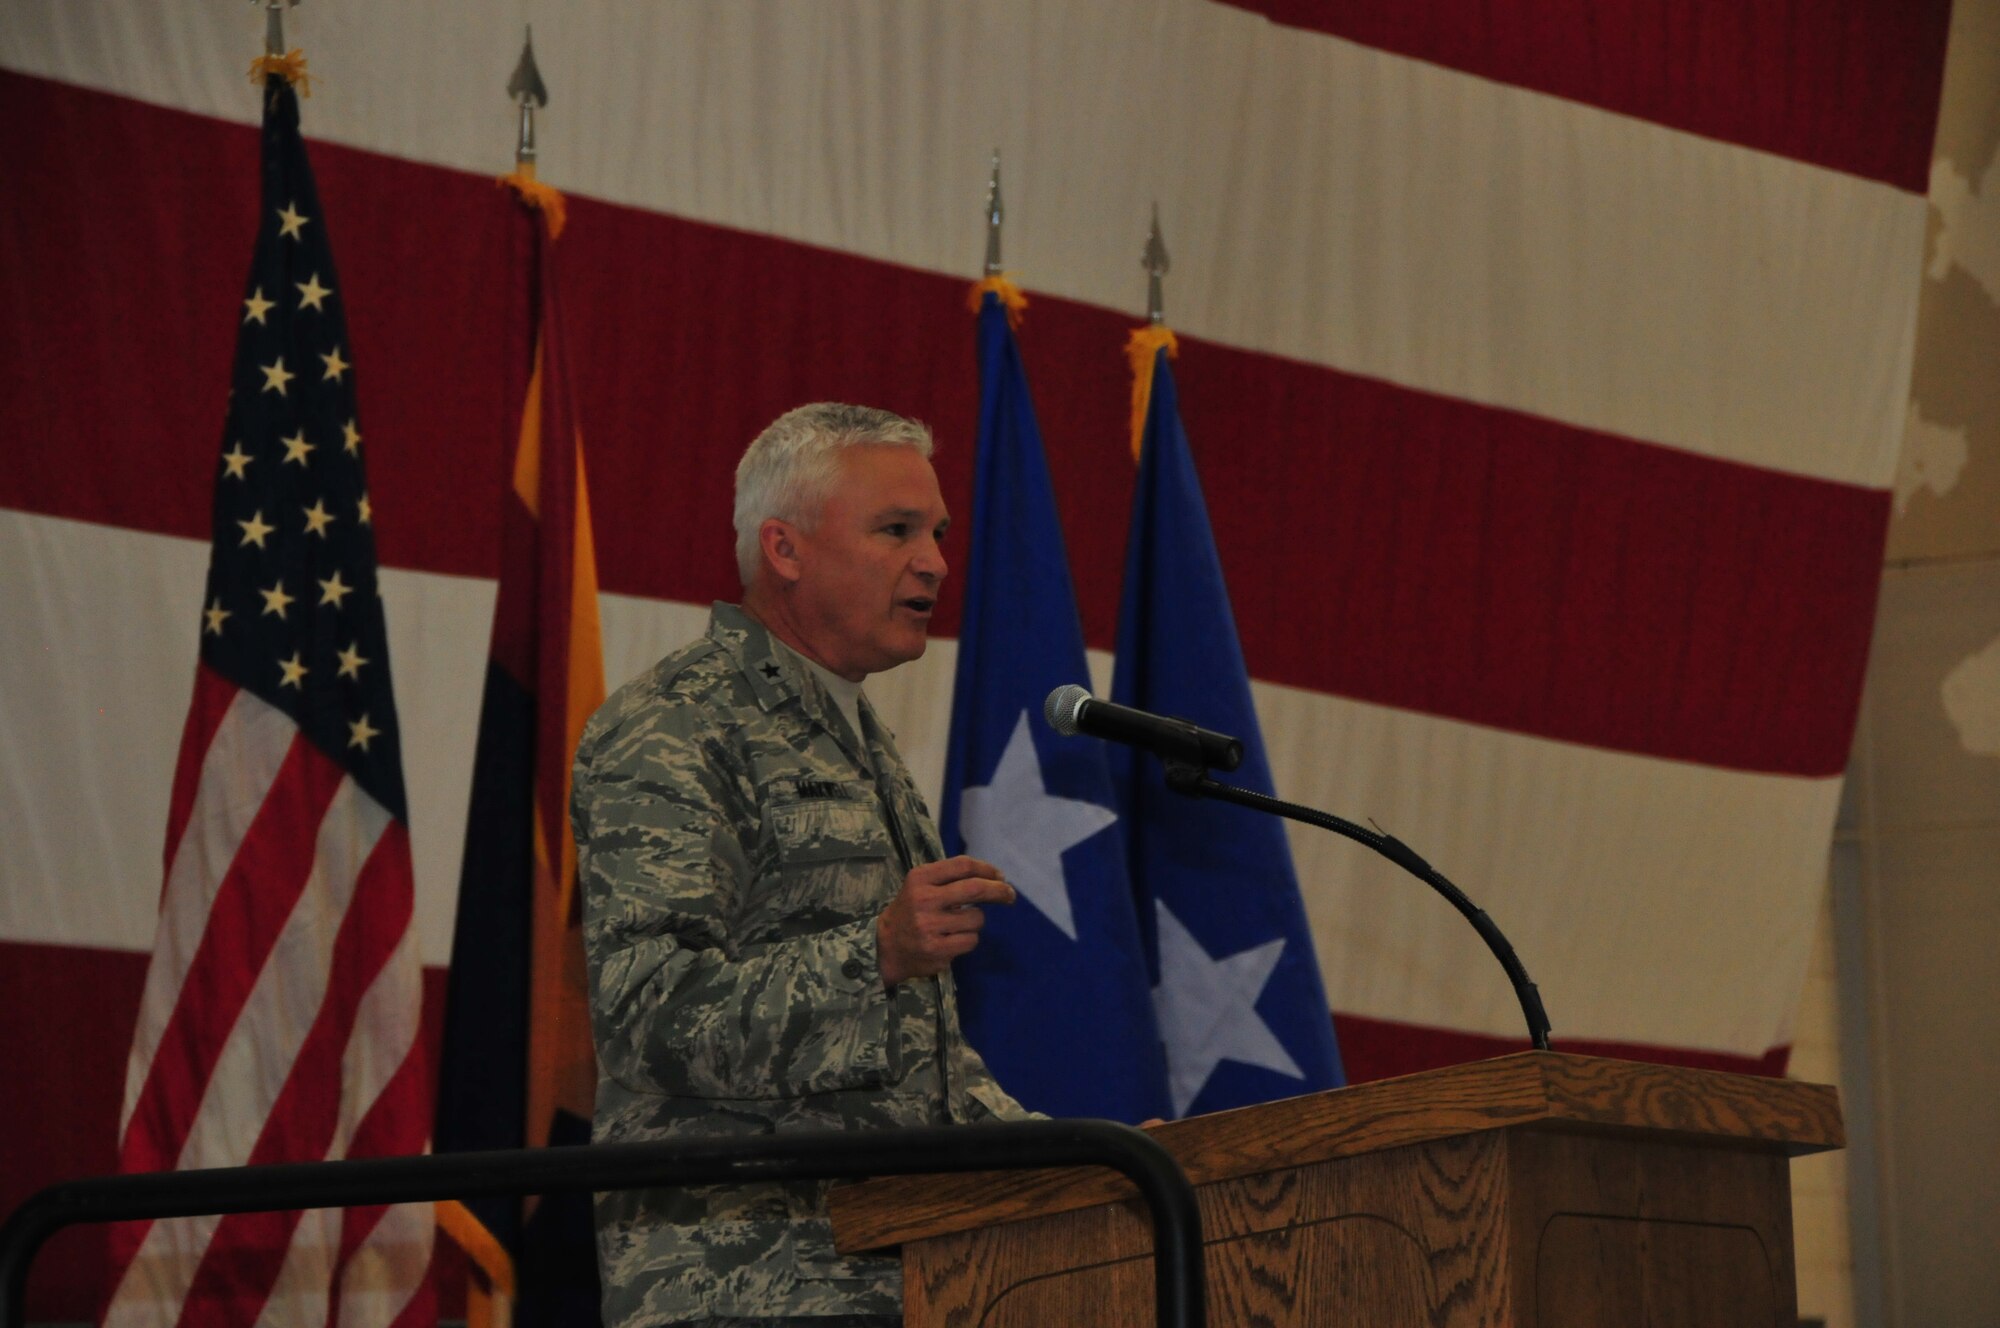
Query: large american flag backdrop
{"type": "Point", "coordinates": [1545, 366]}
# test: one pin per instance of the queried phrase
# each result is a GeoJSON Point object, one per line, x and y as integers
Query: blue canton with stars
{"type": "Point", "coordinates": [293, 611]}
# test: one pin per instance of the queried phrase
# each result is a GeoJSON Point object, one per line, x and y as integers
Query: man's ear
{"type": "Point", "coordinates": [781, 549]}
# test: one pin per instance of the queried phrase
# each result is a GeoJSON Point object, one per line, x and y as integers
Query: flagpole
{"type": "Point", "coordinates": [274, 28]}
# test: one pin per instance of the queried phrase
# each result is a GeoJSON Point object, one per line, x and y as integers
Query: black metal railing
{"type": "Point", "coordinates": [815, 1155]}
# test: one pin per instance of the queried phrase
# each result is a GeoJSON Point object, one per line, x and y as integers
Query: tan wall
{"type": "Point", "coordinates": [1921, 824]}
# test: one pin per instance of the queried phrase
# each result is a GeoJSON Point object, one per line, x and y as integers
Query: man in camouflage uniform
{"type": "Point", "coordinates": [768, 924]}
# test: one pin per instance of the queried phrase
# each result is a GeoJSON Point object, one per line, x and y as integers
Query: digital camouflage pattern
{"type": "Point", "coordinates": [735, 843]}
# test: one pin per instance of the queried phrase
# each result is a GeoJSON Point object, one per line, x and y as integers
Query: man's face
{"type": "Point", "coordinates": [870, 567]}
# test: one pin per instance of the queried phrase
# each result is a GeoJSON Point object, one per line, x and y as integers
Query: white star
{"type": "Point", "coordinates": [351, 660]}
{"type": "Point", "coordinates": [276, 376]}
{"type": "Point", "coordinates": [291, 221]}
{"type": "Point", "coordinates": [335, 366]}
{"type": "Point", "coordinates": [296, 447]}
{"type": "Point", "coordinates": [363, 512]}
{"type": "Point", "coordinates": [216, 616]}
{"type": "Point", "coordinates": [254, 530]}
{"type": "Point", "coordinates": [236, 459]}
{"type": "Point", "coordinates": [352, 436]}
{"type": "Point", "coordinates": [359, 732]}
{"type": "Point", "coordinates": [275, 599]}
{"type": "Point", "coordinates": [332, 591]}
{"type": "Point", "coordinates": [318, 519]}
{"type": "Point", "coordinates": [257, 306]}
{"type": "Point", "coordinates": [1208, 1009]}
{"type": "Point", "coordinates": [295, 673]}
{"type": "Point", "coordinates": [312, 295]}
{"type": "Point", "coordinates": [1015, 823]}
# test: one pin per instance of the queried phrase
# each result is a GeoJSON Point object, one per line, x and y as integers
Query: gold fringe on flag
{"type": "Point", "coordinates": [291, 66]}
{"type": "Point", "coordinates": [1141, 349]}
{"type": "Point", "coordinates": [1010, 296]}
{"type": "Point", "coordinates": [544, 198]}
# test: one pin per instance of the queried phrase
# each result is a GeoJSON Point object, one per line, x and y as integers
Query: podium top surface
{"type": "Point", "coordinates": [1532, 1089]}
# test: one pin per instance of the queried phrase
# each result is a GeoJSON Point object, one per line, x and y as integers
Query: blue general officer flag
{"type": "Point", "coordinates": [1056, 996]}
{"type": "Point", "coordinates": [1237, 989]}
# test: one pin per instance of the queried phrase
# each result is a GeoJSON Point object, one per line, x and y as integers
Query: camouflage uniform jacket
{"type": "Point", "coordinates": [734, 853]}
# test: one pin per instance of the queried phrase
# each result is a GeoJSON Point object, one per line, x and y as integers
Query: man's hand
{"type": "Point", "coordinates": [936, 917]}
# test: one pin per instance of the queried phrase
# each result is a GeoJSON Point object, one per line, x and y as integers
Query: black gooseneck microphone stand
{"type": "Point", "coordinates": [1194, 781]}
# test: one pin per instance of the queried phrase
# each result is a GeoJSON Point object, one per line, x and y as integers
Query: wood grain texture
{"type": "Point", "coordinates": [1597, 1270]}
{"type": "Point", "coordinates": [1529, 1087]}
{"type": "Point", "coordinates": [1552, 1224]}
{"type": "Point", "coordinates": [1408, 1235]}
{"type": "Point", "coordinates": [1609, 1229]}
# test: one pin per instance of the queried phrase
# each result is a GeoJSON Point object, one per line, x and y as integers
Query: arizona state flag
{"type": "Point", "coordinates": [517, 1069]}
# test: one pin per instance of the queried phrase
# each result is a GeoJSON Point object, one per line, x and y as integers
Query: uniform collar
{"type": "Point", "coordinates": [777, 675]}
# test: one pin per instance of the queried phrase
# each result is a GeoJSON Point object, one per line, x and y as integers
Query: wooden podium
{"type": "Point", "coordinates": [1538, 1191]}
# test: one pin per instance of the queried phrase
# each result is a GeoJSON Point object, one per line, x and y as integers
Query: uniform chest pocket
{"type": "Point", "coordinates": [816, 830]}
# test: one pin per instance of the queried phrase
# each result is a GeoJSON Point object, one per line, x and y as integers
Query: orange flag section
{"type": "Point", "coordinates": [562, 1068]}
{"type": "Point", "coordinates": [1142, 349]}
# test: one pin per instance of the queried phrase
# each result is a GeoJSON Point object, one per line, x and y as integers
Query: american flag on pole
{"type": "Point", "coordinates": [281, 1008]}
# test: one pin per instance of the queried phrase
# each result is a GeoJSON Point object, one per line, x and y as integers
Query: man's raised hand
{"type": "Point", "coordinates": [936, 916]}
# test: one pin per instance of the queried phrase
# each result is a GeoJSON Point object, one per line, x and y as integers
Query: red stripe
{"type": "Point", "coordinates": [1853, 86]}
{"type": "Point", "coordinates": [1381, 543]}
{"type": "Point", "coordinates": [385, 1132]}
{"type": "Point", "coordinates": [66, 1015]}
{"type": "Point", "coordinates": [1383, 1048]}
{"type": "Point", "coordinates": [248, 1249]}
{"type": "Point", "coordinates": [213, 694]}
{"type": "Point", "coordinates": [257, 895]}
{"type": "Point", "coordinates": [555, 557]}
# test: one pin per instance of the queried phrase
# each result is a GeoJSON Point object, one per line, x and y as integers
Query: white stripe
{"type": "Point", "coordinates": [1322, 200]}
{"type": "Point", "coordinates": [386, 1271]}
{"type": "Point", "coordinates": [237, 772]}
{"type": "Point", "coordinates": [289, 992]}
{"type": "Point", "coordinates": [385, 1033]}
{"type": "Point", "coordinates": [83, 795]}
{"type": "Point", "coordinates": [1655, 901]}
{"type": "Point", "coordinates": [262, 1047]}
{"type": "Point", "coordinates": [298, 1296]}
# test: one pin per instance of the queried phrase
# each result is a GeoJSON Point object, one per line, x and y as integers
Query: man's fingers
{"type": "Point", "coordinates": [964, 919]}
{"type": "Point", "coordinates": [975, 890]}
{"type": "Point", "coordinates": [959, 868]}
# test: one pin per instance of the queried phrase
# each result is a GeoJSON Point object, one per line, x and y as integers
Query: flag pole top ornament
{"type": "Point", "coordinates": [528, 92]}
{"type": "Point", "coordinates": [526, 88]}
{"type": "Point", "coordinates": [994, 280]}
{"type": "Point", "coordinates": [1143, 346]}
{"type": "Point", "coordinates": [288, 65]}
{"type": "Point", "coordinates": [994, 214]}
{"type": "Point", "coordinates": [274, 26]}
{"type": "Point", "coordinates": [1154, 259]}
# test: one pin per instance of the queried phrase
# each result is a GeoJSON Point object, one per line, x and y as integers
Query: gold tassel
{"type": "Point", "coordinates": [1141, 349]}
{"type": "Point", "coordinates": [291, 66]}
{"type": "Point", "coordinates": [544, 198]}
{"type": "Point", "coordinates": [1010, 295]}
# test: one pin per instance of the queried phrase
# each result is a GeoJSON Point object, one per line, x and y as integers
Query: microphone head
{"type": "Point", "coordinates": [1065, 703]}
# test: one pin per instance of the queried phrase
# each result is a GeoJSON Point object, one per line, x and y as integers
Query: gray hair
{"type": "Point", "coordinates": [788, 470]}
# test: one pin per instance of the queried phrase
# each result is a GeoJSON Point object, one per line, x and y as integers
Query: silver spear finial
{"type": "Point", "coordinates": [527, 91]}
{"type": "Point", "coordinates": [1155, 261]}
{"type": "Point", "coordinates": [274, 25]}
{"type": "Point", "coordinates": [993, 215]}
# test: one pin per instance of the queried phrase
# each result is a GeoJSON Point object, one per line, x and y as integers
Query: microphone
{"type": "Point", "coordinates": [1071, 710]}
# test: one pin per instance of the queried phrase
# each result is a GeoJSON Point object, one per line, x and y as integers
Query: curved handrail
{"type": "Point", "coordinates": [805, 1155]}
